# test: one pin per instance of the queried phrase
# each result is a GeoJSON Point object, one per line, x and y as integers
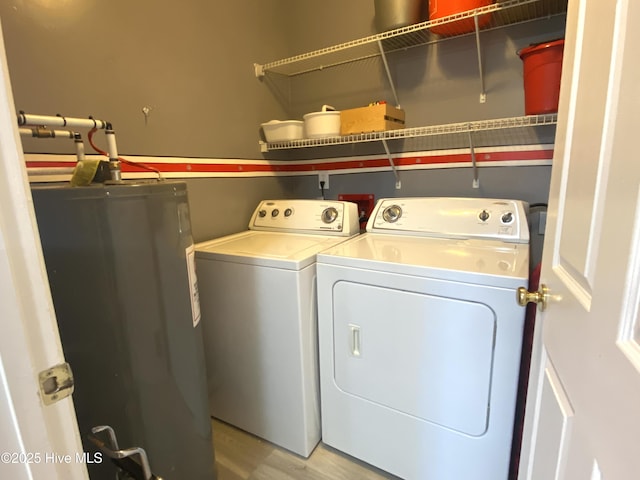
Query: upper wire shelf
{"type": "Point", "coordinates": [499, 14]}
{"type": "Point", "coordinates": [511, 130]}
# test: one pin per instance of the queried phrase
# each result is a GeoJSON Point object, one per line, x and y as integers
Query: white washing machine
{"type": "Point", "coordinates": [420, 337]}
{"type": "Point", "coordinates": [258, 300]}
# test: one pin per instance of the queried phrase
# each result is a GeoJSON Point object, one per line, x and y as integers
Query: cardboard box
{"type": "Point", "coordinates": [374, 118]}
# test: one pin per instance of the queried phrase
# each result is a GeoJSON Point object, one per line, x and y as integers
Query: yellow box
{"type": "Point", "coordinates": [374, 118]}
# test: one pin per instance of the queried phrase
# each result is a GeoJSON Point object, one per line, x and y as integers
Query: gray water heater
{"type": "Point", "coordinates": [120, 264]}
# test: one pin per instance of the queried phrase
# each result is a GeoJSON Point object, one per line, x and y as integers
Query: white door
{"type": "Point", "coordinates": [583, 408]}
{"type": "Point", "coordinates": [36, 441]}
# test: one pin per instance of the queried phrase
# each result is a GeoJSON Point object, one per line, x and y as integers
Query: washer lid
{"type": "Point", "coordinates": [476, 261]}
{"type": "Point", "coordinates": [270, 249]}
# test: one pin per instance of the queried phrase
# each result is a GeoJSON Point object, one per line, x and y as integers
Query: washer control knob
{"type": "Point", "coordinates": [507, 217]}
{"type": "Point", "coordinates": [329, 215]}
{"type": "Point", "coordinates": [392, 214]}
{"type": "Point", "coordinates": [262, 213]}
{"type": "Point", "coordinates": [483, 216]}
{"type": "Point", "coordinates": [275, 212]}
{"type": "Point", "coordinates": [288, 212]}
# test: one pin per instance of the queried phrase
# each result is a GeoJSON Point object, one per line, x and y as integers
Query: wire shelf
{"type": "Point", "coordinates": [501, 131]}
{"type": "Point", "coordinates": [497, 15]}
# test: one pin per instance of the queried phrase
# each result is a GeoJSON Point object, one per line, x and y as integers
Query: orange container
{"type": "Point", "coordinates": [542, 69]}
{"type": "Point", "coordinates": [444, 8]}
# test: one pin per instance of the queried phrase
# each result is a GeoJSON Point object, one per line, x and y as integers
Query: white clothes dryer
{"type": "Point", "coordinates": [420, 337]}
{"type": "Point", "coordinates": [258, 301]}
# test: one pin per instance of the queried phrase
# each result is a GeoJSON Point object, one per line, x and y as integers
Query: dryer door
{"type": "Point", "coordinates": [422, 354]}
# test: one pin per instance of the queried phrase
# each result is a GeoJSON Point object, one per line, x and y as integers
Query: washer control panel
{"type": "Point", "coordinates": [306, 216]}
{"type": "Point", "coordinates": [455, 217]}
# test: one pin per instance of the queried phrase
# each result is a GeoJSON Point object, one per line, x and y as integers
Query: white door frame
{"type": "Point", "coordinates": [36, 442]}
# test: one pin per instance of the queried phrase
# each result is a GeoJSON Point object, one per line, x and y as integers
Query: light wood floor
{"type": "Point", "coordinates": [241, 456]}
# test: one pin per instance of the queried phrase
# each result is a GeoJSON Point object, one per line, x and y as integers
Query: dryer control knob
{"type": "Point", "coordinates": [507, 217]}
{"type": "Point", "coordinates": [275, 212]}
{"type": "Point", "coordinates": [329, 215]}
{"type": "Point", "coordinates": [483, 216]}
{"type": "Point", "coordinates": [392, 214]}
{"type": "Point", "coordinates": [262, 213]}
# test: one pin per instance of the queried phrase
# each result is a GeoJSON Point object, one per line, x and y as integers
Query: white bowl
{"type": "Point", "coordinates": [282, 130]}
{"type": "Point", "coordinates": [322, 124]}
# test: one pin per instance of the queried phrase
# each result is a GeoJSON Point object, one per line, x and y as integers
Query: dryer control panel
{"type": "Point", "coordinates": [325, 217]}
{"type": "Point", "coordinates": [446, 217]}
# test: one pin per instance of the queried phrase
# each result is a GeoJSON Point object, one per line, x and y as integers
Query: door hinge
{"type": "Point", "coordinates": [55, 383]}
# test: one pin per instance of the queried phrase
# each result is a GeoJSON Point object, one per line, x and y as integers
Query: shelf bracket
{"type": "Point", "coordinates": [258, 70]}
{"type": "Point", "coordinates": [483, 94]}
{"type": "Point", "coordinates": [393, 165]}
{"type": "Point", "coordinates": [474, 164]}
{"type": "Point", "coordinates": [386, 68]}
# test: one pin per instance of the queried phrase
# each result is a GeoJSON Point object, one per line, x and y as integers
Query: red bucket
{"type": "Point", "coordinates": [444, 8]}
{"type": "Point", "coordinates": [542, 65]}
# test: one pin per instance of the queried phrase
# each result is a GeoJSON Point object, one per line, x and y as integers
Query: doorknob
{"type": "Point", "coordinates": [541, 297]}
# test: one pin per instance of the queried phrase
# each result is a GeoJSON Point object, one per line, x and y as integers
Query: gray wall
{"type": "Point", "coordinates": [221, 206]}
{"type": "Point", "coordinates": [191, 62]}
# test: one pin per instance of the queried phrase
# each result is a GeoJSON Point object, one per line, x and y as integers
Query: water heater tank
{"type": "Point", "coordinates": [120, 264]}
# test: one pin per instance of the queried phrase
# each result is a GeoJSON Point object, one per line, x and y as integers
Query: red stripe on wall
{"type": "Point", "coordinates": [203, 167]}
{"type": "Point", "coordinates": [306, 166]}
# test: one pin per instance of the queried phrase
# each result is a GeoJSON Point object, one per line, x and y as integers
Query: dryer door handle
{"type": "Point", "coordinates": [355, 339]}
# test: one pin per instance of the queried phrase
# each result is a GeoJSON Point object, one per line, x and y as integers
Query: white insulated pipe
{"type": "Point", "coordinates": [110, 135]}
{"type": "Point", "coordinates": [79, 148]}
{"type": "Point", "coordinates": [114, 161]}
{"type": "Point", "coordinates": [59, 121]}
{"type": "Point", "coordinates": [72, 122]}
{"type": "Point", "coordinates": [41, 132]}
{"type": "Point", "coordinates": [46, 133]}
